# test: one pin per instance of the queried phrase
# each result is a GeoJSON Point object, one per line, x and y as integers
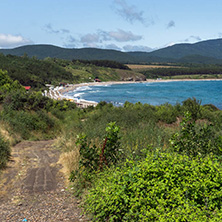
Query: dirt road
{"type": "Point", "coordinates": [32, 187]}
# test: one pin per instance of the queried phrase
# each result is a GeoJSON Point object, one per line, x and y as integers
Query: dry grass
{"type": "Point", "coordinates": [143, 67]}
{"type": "Point", "coordinates": [69, 161]}
{"type": "Point", "coordinates": [5, 132]}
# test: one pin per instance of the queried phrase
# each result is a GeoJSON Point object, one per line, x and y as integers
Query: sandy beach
{"type": "Point", "coordinates": [58, 92]}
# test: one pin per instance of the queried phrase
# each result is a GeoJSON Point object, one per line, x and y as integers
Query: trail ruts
{"type": "Point", "coordinates": [32, 186]}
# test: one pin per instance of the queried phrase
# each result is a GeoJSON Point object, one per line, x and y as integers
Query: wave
{"type": "Point", "coordinates": [107, 85]}
{"type": "Point", "coordinates": [83, 100]}
{"type": "Point", "coordinates": [78, 94]}
{"type": "Point", "coordinates": [83, 88]}
{"type": "Point", "coordinates": [95, 91]}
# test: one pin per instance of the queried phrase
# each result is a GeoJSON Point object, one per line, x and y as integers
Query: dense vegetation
{"type": "Point", "coordinates": [153, 167]}
{"type": "Point", "coordinates": [86, 71]}
{"type": "Point", "coordinates": [133, 163]}
{"type": "Point", "coordinates": [162, 187]}
{"type": "Point", "coordinates": [26, 115]}
{"type": "Point", "coordinates": [36, 73]}
{"type": "Point", "coordinates": [103, 63]}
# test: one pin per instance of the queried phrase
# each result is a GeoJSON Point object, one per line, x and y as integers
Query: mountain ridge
{"type": "Point", "coordinates": [208, 51]}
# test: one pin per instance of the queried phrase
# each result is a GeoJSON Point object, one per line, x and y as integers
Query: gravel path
{"type": "Point", "coordinates": [32, 187]}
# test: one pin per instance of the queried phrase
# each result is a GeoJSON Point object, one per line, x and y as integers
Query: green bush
{"type": "Point", "coordinates": [163, 187]}
{"type": "Point", "coordinates": [192, 105]}
{"type": "Point", "coordinates": [166, 113]}
{"type": "Point", "coordinates": [4, 152]}
{"type": "Point", "coordinates": [29, 123]}
{"type": "Point", "coordinates": [93, 157]}
{"type": "Point", "coordinates": [194, 140]}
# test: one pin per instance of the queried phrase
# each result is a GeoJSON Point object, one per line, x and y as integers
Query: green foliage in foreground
{"type": "Point", "coordinates": [163, 187]}
{"type": "Point", "coordinates": [4, 152]}
{"type": "Point", "coordinates": [94, 158]}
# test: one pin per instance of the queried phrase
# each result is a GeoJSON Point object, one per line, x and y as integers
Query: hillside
{"type": "Point", "coordinates": [206, 52]}
{"type": "Point", "coordinates": [209, 48]}
{"type": "Point", "coordinates": [43, 51]}
{"type": "Point", "coordinates": [36, 73]}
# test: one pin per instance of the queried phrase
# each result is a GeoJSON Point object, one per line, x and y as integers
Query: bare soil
{"type": "Point", "coordinates": [32, 186]}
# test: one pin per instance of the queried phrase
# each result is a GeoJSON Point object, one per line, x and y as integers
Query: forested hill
{"type": "Point", "coordinates": [205, 52]}
{"type": "Point", "coordinates": [36, 72]}
{"type": "Point", "coordinates": [43, 51]}
{"type": "Point", "coordinates": [209, 48]}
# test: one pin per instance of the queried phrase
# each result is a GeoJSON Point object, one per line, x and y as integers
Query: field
{"type": "Point", "coordinates": [145, 67]}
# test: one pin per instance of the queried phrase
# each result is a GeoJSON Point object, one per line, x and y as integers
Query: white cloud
{"type": "Point", "coordinates": [49, 28]}
{"type": "Point", "coordinates": [8, 41]}
{"type": "Point", "coordinates": [103, 36]}
{"type": "Point", "coordinates": [193, 38]}
{"type": "Point", "coordinates": [123, 36]}
{"type": "Point", "coordinates": [137, 48]}
{"type": "Point", "coordinates": [103, 39]}
{"type": "Point", "coordinates": [90, 38]}
{"type": "Point", "coordinates": [90, 45]}
{"type": "Point", "coordinates": [112, 46]}
{"type": "Point", "coordinates": [130, 13]}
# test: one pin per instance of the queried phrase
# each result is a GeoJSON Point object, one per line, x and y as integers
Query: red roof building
{"type": "Point", "coordinates": [27, 87]}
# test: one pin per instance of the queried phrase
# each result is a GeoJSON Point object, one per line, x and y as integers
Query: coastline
{"type": "Point", "coordinates": [75, 86]}
{"type": "Point", "coordinates": [60, 91]}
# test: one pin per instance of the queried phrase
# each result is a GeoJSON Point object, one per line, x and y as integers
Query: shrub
{"type": "Point", "coordinates": [93, 157]}
{"type": "Point", "coordinates": [163, 187]}
{"type": "Point", "coordinates": [193, 107]}
{"type": "Point", "coordinates": [196, 141]}
{"type": "Point", "coordinates": [4, 152]}
{"type": "Point", "coordinates": [166, 113]}
{"type": "Point", "coordinates": [28, 123]}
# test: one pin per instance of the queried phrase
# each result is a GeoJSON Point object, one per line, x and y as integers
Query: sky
{"type": "Point", "coordinates": [125, 25]}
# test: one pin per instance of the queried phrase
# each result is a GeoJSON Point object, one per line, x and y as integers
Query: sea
{"type": "Point", "coordinates": [154, 93]}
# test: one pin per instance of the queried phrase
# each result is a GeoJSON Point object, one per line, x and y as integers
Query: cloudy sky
{"type": "Point", "coordinates": [127, 25]}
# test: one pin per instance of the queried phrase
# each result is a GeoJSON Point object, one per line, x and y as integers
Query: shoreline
{"type": "Point", "coordinates": [84, 103]}
{"type": "Point", "coordinates": [75, 86]}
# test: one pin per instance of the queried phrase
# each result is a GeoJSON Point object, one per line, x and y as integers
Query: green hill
{"type": "Point", "coordinates": [43, 51]}
{"type": "Point", "coordinates": [36, 73]}
{"type": "Point", "coordinates": [209, 48]}
{"type": "Point", "coordinates": [206, 52]}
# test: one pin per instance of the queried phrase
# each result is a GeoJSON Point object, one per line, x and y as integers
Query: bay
{"type": "Point", "coordinates": [154, 93]}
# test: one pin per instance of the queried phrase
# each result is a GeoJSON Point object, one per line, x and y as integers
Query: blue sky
{"type": "Point", "coordinates": [125, 25]}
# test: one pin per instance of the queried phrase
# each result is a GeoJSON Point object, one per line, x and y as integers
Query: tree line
{"type": "Point", "coordinates": [192, 70]}
{"type": "Point", "coordinates": [103, 63]}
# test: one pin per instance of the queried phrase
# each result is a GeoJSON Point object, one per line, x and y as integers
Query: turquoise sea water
{"type": "Point", "coordinates": [155, 93]}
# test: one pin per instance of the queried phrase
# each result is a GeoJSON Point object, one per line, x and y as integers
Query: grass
{"type": "Point", "coordinates": [8, 134]}
{"type": "Point", "coordinates": [83, 73]}
{"type": "Point", "coordinates": [137, 67]}
{"type": "Point", "coordinates": [70, 161]}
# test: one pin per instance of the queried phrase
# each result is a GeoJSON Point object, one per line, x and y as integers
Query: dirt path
{"type": "Point", "coordinates": [32, 187]}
